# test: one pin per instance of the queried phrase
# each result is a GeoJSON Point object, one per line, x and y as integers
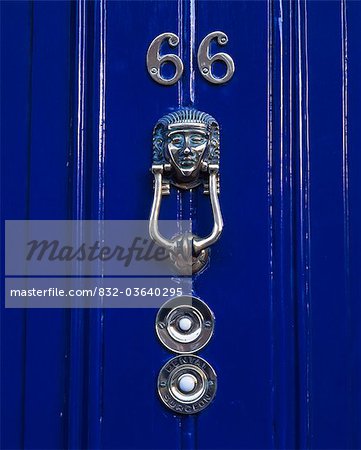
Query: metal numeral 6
{"type": "Point", "coordinates": [205, 60]}
{"type": "Point", "coordinates": [155, 60]}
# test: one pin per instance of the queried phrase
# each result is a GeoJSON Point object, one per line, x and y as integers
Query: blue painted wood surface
{"type": "Point", "coordinates": [78, 108]}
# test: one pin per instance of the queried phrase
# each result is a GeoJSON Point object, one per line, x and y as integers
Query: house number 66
{"type": "Point", "coordinates": [205, 60]}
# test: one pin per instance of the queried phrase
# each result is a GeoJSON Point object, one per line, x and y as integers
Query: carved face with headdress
{"type": "Point", "coordinates": [187, 139]}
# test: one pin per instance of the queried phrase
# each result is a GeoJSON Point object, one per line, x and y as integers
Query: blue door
{"type": "Point", "coordinates": [283, 280]}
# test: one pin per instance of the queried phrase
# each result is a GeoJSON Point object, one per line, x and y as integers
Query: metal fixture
{"type": "Point", "coordinates": [155, 60]}
{"type": "Point", "coordinates": [187, 384]}
{"type": "Point", "coordinates": [206, 60]}
{"type": "Point", "coordinates": [184, 324]}
{"type": "Point", "coordinates": [186, 156]}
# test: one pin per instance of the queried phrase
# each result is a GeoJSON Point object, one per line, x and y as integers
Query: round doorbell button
{"type": "Point", "coordinates": [184, 324]}
{"type": "Point", "coordinates": [187, 384]}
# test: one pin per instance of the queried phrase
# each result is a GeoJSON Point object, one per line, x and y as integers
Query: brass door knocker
{"type": "Point", "coordinates": [186, 155]}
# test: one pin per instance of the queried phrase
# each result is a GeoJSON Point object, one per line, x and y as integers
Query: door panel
{"type": "Point", "coordinates": [236, 283]}
{"type": "Point", "coordinates": [35, 146]}
{"type": "Point", "coordinates": [334, 287]}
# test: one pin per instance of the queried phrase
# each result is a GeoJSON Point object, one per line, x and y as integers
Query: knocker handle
{"type": "Point", "coordinates": [154, 214]}
{"type": "Point", "coordinates": [197, 245]}
{"type": "Point", "coordinates": [186, 155]}
{"type": "Point", "coordinates": [201, 244]}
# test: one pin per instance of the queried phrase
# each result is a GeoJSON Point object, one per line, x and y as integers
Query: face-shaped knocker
{"type": "Point", "coordinates": [186, 143]}
{"type": "Point", "coordinates": [186, 149]}
{"type": "Point", "coordinates": [186, 155]}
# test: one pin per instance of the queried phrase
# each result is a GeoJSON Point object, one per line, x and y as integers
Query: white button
{"type": "Point", "coordinates": [187, 383]}
{"type": "Point", "coordinates": [185, 324]}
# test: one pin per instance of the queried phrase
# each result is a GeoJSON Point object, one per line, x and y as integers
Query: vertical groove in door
{"type": "Point", "coordinates": [289, 224]}
{"type": "Point", "coordinates": [187, 34]}
{"type": "Point", "coordinates": [351, 401]}
{"type": "Point", "coordinates": [351, 171]}
{"type": "Point", "coordinates": [76, 344]}
{"type": "Point", "coordinates": [27, 205]}
{"type": "Point", "coordinates": [281, 223]}
{"type": "Point", "coordinates": [186, 88]}
{"type": "Point", "coordinates": [188, 432]}
{"type": "Point", "coordinates": [96, 316]}
{"type": "Point", "coordinates": [188, 37]}
{"type": "Point", "coordinates": [303, 237]}
{"type": "Point", "coordinates": [185, 203]}
{"type": "Point", "coordinates": [270, 81]}
{"type": "Point", "coordinates": [86, 327]}
{"type": "Point", "coordinates": [180, 35]}
{"type": "Point", "coordinates": [270, 201]}
{"type": "Point", "coordinates": [192, 36]}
